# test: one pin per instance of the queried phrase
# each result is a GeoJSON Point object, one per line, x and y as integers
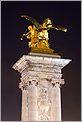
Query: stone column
{"type": "Point", "coordinates": [41, 79]}
{"type": "Point", "coordinates": [24, 115]}
{"type": "Point", "coordinates": [56, 104]}
{"type": "Point", "coordinates": [29, 98]}
{"type": "Point", "coordinates": [32, 103]}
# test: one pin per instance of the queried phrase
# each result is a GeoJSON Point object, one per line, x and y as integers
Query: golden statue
{"type": "Point", "coordinates": [38, 35]}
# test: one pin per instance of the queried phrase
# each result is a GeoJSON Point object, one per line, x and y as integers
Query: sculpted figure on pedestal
{"type": "Point", "coordinates": [38, 34]}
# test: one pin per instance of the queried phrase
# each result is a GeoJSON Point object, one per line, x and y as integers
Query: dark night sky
{"type": "Point", "coordinates": [68, 45]}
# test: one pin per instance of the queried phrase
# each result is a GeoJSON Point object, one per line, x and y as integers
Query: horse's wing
{"type": "Point", "coordinates": [37, 25]}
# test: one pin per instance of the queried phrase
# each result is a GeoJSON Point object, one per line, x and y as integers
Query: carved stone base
{"type": "Point", "coordinates": [40, 85]}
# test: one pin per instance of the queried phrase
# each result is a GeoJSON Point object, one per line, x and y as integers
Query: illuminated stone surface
{"type": "Point", "coordinates": [40, 84]}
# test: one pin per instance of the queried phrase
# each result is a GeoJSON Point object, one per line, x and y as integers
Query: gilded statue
{"type": "Point", "coordinates": [38, 34]}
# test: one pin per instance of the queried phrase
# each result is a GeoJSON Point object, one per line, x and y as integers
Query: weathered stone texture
{"type": "Point", "coordinates": [41, 79]}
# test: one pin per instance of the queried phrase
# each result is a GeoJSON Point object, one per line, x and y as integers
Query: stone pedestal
{"type": "Point", "coordinates": [41, 79]}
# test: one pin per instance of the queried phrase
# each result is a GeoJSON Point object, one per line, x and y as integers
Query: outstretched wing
{"type": "Point", "coordinates": [37, 25]}
{"type": "Point", "coordinates": [56, 27]}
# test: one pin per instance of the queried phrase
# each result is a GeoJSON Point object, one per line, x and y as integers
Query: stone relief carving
{"type": "Point", "coordinates": [44, 103]}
